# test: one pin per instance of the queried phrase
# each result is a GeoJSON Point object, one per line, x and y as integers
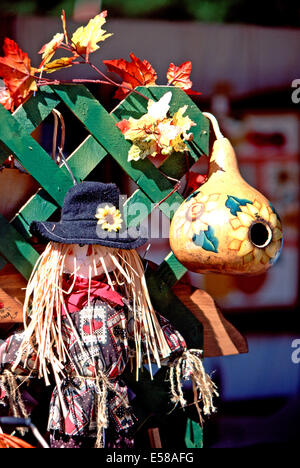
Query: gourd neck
{"type": "Point", "coordinates": [223, 159]}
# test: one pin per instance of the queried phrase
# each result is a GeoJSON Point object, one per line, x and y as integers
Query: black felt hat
{"type": "Point", "coordinates": [90, 215]}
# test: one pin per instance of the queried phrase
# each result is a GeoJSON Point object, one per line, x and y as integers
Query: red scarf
{"type": "Point", "coordinates": [79, 296]}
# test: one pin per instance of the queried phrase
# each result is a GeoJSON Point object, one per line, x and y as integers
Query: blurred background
{"type": "Point", "coordinates": [246, 64]}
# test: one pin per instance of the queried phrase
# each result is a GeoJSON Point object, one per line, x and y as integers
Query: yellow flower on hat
{"type": "Point", "coordinates": [256, 216]}
{"type": "Point", "coordinates": [110, 218]}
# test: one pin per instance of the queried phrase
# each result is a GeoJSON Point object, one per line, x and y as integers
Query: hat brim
{"type": "Point", "coordinates": [87, 232]}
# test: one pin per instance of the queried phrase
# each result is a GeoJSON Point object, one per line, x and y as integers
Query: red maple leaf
{"type": "Point", "coordinates": [179, 76]}
{"type": "Point", "coordinates": [17, 73]}
{"type": "Point", "coordinates": [134, 73]}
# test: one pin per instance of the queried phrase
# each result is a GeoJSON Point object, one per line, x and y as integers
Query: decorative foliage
{"type": "Point", "coordinates": [21, 80]}
{"type": "Point", "coordinates": [134, 73]}
{"type": "Point", "coordinates": [85, 39]}
{"type": "Point", "coordinates": [155, 133]}
{"type": "Point", "coordinates": [180, 76]}
{"type": "Point", "coordinates": [48, 50]}
{"type": "Point", "coordinates": [17, 74]}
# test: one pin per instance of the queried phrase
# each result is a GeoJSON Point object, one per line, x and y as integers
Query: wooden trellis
{"type": "Point", "coordinates": [104, 140]}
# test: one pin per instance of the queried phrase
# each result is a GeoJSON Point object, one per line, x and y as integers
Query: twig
{"type": "Point", "coordinates": [72, 48]}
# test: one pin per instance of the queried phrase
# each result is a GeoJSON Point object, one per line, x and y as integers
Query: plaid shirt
{"type": "Point", "coordinates": [98, 338]}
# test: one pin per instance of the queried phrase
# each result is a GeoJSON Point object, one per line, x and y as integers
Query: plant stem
{"type": "Point", "coordinates": [107, 81]}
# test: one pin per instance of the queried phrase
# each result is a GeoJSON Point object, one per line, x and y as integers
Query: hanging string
{"type": "Point", "coordinates": [60, 158]}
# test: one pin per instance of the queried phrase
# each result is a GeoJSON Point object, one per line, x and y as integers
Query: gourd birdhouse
{"type": "Point", "coordinates": [226, 226]}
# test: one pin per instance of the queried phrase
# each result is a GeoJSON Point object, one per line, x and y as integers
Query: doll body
{"type": "Point", "coordinates": [90, 405]}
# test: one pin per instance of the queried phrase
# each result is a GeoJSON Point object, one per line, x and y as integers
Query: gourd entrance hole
{"type": "Point", "coordinates": [260, 234]}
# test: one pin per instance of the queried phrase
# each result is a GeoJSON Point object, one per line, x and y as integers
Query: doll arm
{"type": "Point", "coordinates": [186, 364]}
{"type": "Point", "coordinates": [175, 340]}
{"type": "Point", "coordinates": [10, 394]}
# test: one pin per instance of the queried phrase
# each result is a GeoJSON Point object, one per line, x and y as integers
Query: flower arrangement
{"type": "Point", "coordinates": [155, 133]}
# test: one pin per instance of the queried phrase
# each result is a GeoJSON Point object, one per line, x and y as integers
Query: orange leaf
{"type": "Point", "coordinates": [134, 73]}
{"type": "Point", "coordinates": [180, 76]}
{"type": "Point", "coordinates": [16, 72]}
{"type": "Point", "coordinates": [58, 64]}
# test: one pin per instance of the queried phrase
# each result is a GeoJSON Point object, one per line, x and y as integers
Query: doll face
{"type": "Point", "coordinates": [86, 262]}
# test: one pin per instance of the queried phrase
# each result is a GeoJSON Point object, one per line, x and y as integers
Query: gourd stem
{"type": "Point", "coordinates": [215, 124]}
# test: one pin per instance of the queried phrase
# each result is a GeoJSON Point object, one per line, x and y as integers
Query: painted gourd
{"type": "Point", "coordinates": [226, 226]}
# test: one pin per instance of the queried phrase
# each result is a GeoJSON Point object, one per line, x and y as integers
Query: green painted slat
{"type": "Point", "coordinates": [41, 206]}
{"type": "Point", "coordinates": [36, 109]}
{"type": "Point", "coordinates": [100, 124]}
{"type": "Point", "coordinates": [33, 157]}
{"type": "Point", "coordinates": [15, 249]}
{"type": "Point", "coordinates": [171, 270]}
{"type": "Point", "coordinates": [165, 302]}
{"type": "Point", "coordinates": [137, 208]}
{"type": "Point", "coordinates": [86, 157]}
{"type": "Point", "coordinates": [33, 112]}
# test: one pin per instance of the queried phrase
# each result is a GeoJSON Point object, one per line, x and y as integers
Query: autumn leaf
{"type": "Point", "coordinates": [134, 73]}
{"type": "Point", "coordinates": [58, 64]}
{"type": "Point", "coordinates": [180, 77]}
{"type": "Point", "coordinates": [16, 72]}
{"type": "Point", "coordinates": [6, 99]}
{"type": "Point", "coordinates": [85, 39]}
{"type": "Point", "coordinates": [48, 50]}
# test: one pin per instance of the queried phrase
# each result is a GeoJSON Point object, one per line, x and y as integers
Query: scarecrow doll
{"type": "Point", "coordinates": [87, 313]}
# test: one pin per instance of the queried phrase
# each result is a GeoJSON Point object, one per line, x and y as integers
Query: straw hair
{"type": "Point", "coordinates": [45, 297]}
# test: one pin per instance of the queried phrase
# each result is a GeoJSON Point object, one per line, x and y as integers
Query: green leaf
{"type": "Point", "coordinates": [207, 240]}
{"type": "Point", "coordinates": [234, 203]}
